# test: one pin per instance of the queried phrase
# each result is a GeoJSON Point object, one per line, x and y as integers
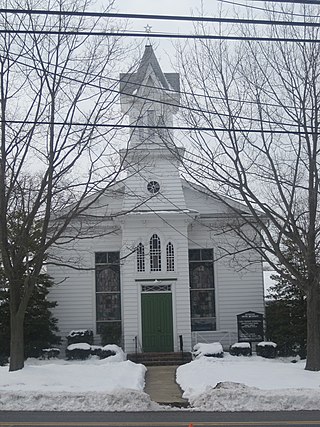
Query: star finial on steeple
{"type": "Point", "coordinates": [148, 28]}
{"type": "Point", "coordinates": [148, 31]}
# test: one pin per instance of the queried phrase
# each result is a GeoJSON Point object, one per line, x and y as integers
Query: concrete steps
{"type": "Point", "coordinates": [160, 359]}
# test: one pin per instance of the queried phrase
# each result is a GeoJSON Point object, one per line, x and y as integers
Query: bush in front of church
{"type": "Point", "coordinates": [240, 349]}
{"type": "Point", "coordinates": [78, 351]}
{"type": "Point", "coordinates": [80, 336]}
{"type": "Point", "coordinates": [267, 349]}
{"type": "Point", "coordinates": [207, 350]}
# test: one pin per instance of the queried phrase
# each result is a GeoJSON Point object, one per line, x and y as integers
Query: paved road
{"type": "Point", "coordinates": [159, 419]}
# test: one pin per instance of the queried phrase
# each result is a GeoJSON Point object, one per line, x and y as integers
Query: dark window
{"type": "Point", "coordinates": [108, 297]}
{"type": "Point", "coordinates": [108, 278]}
{"type": "Point", "coordinates": [194, 255]}
{"type": "Point", "coordinates": [202, 295]}
{"type": "Point", "coordinates": [155, 253]}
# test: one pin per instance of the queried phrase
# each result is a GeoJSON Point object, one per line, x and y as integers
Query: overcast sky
{"type": "Point", "coordinates": [163, 47]}
{"type": "Point", "coordinates": [164, 7]}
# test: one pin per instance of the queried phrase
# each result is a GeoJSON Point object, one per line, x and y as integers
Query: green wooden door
{"type": "Point", "coordinates": [156, 313]}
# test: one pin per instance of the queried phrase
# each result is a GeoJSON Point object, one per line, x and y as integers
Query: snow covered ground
{"type": "Point", "coordinates": [249, 384]}
{"type": "Point", "coordinates": [213, 384]}
{"type": "Point", "coordinates": [91, 385]}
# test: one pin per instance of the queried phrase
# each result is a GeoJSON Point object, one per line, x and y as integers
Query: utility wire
{"type": "Point", "coordinates": [280, 12]}
{"type": "Point", "coordinates": [158, 101]}
{"type": "Point", "coordinates": [163, 17]}
{"type": "Point", "coordinates": [182, 128]}
{"type": "Point", "coordinates": [269, 122]}
{"type": "Point", "coordinates": [144, 85]}
{"type": "Point", "coordinates": [162, 35]}
{"type": "Point", "coordinates": [317, 2]}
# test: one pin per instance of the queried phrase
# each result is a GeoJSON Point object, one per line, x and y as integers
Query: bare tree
{"type": "Point", "coordinates": [57, 147]}
{"type": "Point", "coordinates": [258, 104]}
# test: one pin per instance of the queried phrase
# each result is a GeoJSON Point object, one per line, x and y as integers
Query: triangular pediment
{"type": "Point", "coordinates": [208, 203]}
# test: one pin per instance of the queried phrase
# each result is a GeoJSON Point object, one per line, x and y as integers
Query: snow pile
{"type": "Point", "coordinates": [210, 384]}
{"type": "Point", "coordinates": [245, 383]}
{"type": "Point", "coordinates": [206, 349]}
{"type": "Point", "coordinates": [118, 400]}
{"type": "Point", "coordinates": [89, 385]}
{"type": "Point", "coordinates": [119, 355]}
{"type": "Point", "coordinates": [228, 396]}
{"type": "Point", "coordinates": [88, 376]}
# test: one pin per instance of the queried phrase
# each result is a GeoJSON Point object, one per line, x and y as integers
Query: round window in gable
{"type": "Point", "coordinates": [153, 187]}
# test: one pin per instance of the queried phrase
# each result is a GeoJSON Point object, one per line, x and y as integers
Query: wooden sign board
{"type": "Point", "coordinates": [250, 327]}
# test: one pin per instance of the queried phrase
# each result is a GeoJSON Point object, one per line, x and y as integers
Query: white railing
{"type": "Point", "coordinates": [226, 338]}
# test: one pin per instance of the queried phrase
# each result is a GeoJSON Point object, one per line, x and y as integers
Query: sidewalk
{"type": "Point", "coordinates": [162, 387]}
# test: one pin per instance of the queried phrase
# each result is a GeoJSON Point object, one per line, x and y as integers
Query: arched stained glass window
{"type": "Point", "coordinates": [170, 257]}
{"type": "Point", "coordinates": [155, 253]}
{"type": "Point", "coordinates": [141, 266]}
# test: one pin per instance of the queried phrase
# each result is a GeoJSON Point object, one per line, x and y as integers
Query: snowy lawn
{"type": "Point", "coordinates": [212, 384]}
{"type": "Point", "coordinates": [248, 384]}
{"type": "Point", "coordinates": [90, 385]}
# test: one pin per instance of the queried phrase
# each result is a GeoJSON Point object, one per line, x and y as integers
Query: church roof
{"type": "Point", "coordinates": [130, 81]}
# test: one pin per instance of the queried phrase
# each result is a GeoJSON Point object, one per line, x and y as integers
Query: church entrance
{"type": "Point", "coordinates": [157, 322]}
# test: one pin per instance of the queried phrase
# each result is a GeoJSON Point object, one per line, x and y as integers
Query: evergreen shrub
{"type": "Point", "coordinates": [40, 326]}
{"type": "Point", "coordinates": [80, 336]}
{"type": "Point", "coordinates": [267, 349]}
{"type": "Point", "coordinates": [78, 351]}
{"type": "Point", "coordinates": [4, 360]}
{"type": "Point", "coordinates": [240, 349]}
{"type": "Point", "coordinates": [50, 353]}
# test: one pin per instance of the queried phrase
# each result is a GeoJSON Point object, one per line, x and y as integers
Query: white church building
{"type": "Point", "coordinates": [153, 281]}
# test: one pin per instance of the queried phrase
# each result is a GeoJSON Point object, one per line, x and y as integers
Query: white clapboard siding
{"type": "Point", "coordinates": [74, 289]}
{"type": "Point", "coordinates": [238, 284]}
{"type": "Point", "coordinates": [163, 171]}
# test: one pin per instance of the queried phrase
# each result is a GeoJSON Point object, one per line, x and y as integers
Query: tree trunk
{"type": "Point", "coordinates": [313, 328]}
{"type": "Point", "coordinates": [16, 342]}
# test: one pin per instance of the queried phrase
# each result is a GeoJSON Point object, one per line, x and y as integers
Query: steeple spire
{"type": "Point", "coordinates": [150, 98]}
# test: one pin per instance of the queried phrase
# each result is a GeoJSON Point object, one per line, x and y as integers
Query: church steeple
{"type": "Point", "coordinates": [150, 98]}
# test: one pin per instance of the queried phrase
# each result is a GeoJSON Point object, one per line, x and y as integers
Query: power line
{"type": "Point", "coordinates": [162, 17]}
{"type": "Point", "coordinates": [158, 101]}
{"type": "Point", "coordinates": [161, 35]}
{"type": "Point", "coordinates": [182, 128]}
{"type": "Point", "coordinates": [210, 97]}
{"type": "Point", "coordinates": [291, 1]}
{"type": "Point", "coordinates": [280, 12]}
